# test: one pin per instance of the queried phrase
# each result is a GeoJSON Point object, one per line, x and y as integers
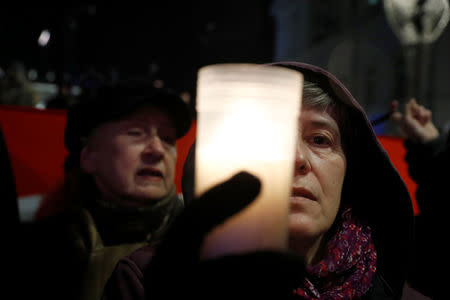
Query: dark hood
{"type": "Point", "coordinates": [372, 185]}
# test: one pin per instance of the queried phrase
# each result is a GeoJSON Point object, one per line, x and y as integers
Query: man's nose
{"type": "Point", "coordinates": [302, 163]}
{"type": "Point", "coordinates": [154, 148]}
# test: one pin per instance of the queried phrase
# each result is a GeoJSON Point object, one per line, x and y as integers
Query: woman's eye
{"type": "Point", "coordinates": [321, 140]}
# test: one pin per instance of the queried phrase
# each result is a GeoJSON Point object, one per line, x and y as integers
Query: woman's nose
{"type": "Point", "coordinates": [302, 163]}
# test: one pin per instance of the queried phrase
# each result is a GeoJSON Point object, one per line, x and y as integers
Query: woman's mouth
{"type": "Point", "coordinates": [299, 192]}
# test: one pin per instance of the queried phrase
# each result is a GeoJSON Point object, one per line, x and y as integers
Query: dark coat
{"type": "Point", "coordinates": [66, 256]}
{"type": "Point", "coordinates": [127, 282]}
{"type": "Point", "coordinates": [427, 164]}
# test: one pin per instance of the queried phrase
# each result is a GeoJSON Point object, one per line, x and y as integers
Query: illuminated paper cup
{"type": "Point", "coordinates": [247, 118]}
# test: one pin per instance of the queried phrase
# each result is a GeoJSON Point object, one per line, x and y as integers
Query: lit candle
{"type": "Point", "coordinates": [247, 117]}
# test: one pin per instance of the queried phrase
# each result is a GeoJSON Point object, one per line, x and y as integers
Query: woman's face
{"type": "Point", "coordinates": [320, 167]}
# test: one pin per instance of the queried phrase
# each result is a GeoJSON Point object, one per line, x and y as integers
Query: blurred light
{"type": "Point", "coordinates": [40, 105]}
{"type": "Point", "coordinates": [373, 2]}
{"type": "Point", "coordinates": [66, 76]}
{"type": "Point", "coordinates": [186, 97]}
{"type": "Point", "coordinates": [158, 83]}
{"type": "Point", "coordinates": [44, 38]}
{"type": "Point", "coordinates": [75, 90]}
{"type": "Point", "coordinates": [154, 67]}
{"type": "Point", "coordinates": [32, 74]}
{"type": "Point", "coordinates": [50, 76]}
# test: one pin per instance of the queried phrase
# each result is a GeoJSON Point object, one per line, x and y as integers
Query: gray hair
{"type": "Point", "coordinates": [315, 97]}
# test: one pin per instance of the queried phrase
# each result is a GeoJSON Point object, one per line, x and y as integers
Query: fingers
{"type": "Point", "coordinates": [414, 111]}
{"type": "Point", "coordinates": [410, 108]}
{"type": "Point", "coordinates": [178, 253]}
{"type": "Point", "coordinates": [222, 201]}
{"type": "Point", "coordinates": [206, 212]}
{"type": "Point", "coordinates": [417, 112]}
{"type": "Point", "coordinates": [424, 115]}
{"type": "Point", "coordinates": [407, 119]}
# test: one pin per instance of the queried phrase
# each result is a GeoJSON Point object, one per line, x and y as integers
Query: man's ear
{"type": "Point", "coordinates": [87, 160]}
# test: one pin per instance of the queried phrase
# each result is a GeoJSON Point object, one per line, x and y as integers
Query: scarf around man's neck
{"type": "Point", "coordinates": [129, 225]}
{"type": "Point", "coordinates": [347, 270]}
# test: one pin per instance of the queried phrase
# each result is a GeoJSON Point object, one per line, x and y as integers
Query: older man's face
{"type": "Point", "coordinates": [133, 160]}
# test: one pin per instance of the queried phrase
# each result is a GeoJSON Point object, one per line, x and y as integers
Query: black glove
{"type": "Point", "coordinates": [177, 271]}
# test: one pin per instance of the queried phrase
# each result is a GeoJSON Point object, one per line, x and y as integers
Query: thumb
{"type": "Point", "coordinates": [209, 210]}
{"type": "Point", "coordinates": [178, 253]}
{"type": "Point", "coordinates": [222, 201]}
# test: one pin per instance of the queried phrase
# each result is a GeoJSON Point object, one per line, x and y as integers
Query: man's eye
{"type": "Point", "coordinates": [169, 140]}
{"type": "Point", "coordinates": [135, 132]}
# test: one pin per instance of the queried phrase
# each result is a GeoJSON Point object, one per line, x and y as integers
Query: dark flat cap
{"type": "Point", "coordinates": [114, 101]}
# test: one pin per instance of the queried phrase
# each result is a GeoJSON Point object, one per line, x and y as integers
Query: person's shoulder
{"type": "Point", "coordinates": [65, 229]}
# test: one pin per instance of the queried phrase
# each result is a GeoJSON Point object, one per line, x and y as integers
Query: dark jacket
{"type": "Point", "coordinates": [427, 164]}
{"type": "Point", "coordinates": [372, 186]}
{"type": "Point", "coordinates": [72, 254]}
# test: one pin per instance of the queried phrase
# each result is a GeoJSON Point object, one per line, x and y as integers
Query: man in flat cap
{"type": "Point", "coordinates": [119, 186]}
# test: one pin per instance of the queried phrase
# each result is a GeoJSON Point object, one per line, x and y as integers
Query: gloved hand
{"type": "Point", "coordinates": [177, 271]}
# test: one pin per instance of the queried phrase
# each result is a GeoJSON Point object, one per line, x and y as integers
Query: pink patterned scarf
{"type": "Point", "coordinates": [347, 270]}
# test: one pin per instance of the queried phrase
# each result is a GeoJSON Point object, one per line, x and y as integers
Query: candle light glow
{"type": "Point", "coordinates": [247, 120]}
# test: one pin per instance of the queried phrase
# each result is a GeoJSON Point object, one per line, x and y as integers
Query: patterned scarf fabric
{"type": "Point", "coordinates": [347, 270]}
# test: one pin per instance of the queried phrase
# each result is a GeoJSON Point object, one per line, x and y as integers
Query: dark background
{"type": "Point", "coordinates": [170, 40]}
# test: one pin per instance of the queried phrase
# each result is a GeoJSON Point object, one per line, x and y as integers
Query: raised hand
{"type": "Point", "coordinates": [415, 123]}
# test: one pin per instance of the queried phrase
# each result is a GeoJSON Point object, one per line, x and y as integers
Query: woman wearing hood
{"type": "Point", "coordinates": [350, 221]}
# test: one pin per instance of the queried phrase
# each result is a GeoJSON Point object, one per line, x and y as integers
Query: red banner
{"type": "Point", "coordinates": [35, 141]}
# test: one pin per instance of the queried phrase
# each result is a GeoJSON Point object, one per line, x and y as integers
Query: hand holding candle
{"type": "Point", "coordinates": [277, 272]}
{"type": "Point", "coordinates": [247, 120]}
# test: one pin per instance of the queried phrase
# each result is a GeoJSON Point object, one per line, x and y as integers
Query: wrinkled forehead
{"type": "Point", "coordinates": [326, 107]}
{"type": "Point", "coordinates": [317, 117]}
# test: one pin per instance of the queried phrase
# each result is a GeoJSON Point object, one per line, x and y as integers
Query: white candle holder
{"type": "Point", "coordinates": [247, 120]}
